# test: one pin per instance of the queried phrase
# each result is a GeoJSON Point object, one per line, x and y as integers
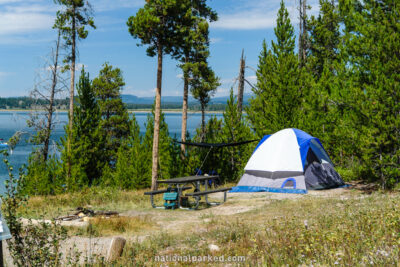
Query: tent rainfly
{"type": "Point", "coordinates": [289, 161]}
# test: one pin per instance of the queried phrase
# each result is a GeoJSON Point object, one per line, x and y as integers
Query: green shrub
{"type": "Point", "coordinates": [31, 244]}
{"type": "Point", "coordinates": [43, 177]}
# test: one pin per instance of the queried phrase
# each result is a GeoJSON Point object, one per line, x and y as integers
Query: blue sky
{"type": "Point", "coordinates": [26, 37]}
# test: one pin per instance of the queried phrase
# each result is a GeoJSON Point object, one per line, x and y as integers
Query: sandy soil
{"type": "Point", "coordinates": [179, 220]}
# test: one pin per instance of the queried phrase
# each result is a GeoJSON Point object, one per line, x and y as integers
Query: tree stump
{"type": "Point", "coordinates": [116, 248]}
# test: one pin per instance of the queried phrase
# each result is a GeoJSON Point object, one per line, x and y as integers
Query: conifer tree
{"type": "Point", "coordinates": [166, 165]}
{"type": "Point", "coordinates": [71, 22]}
{"type": "Point", "coordinates": [325, 114]}
{"type": "Point", "coordinates": [194, 50]}
{"type": "Point", "coordinates": [209, 160]}
{"type": "Point", "coordinates": [160, 25]}
{"type": "Point", "coordinates": [373, 45]}
{"type": "Point", "coordinates": [131, 171]}
{"type": "Point", "coordinates": [324, 38]}
{"type": "Point", "coordinates": [87, 147]}
{"type": "Point", "coordinates": [203, 86]}
{"type": "Point", "coordinates": [234, 130]}
{"type": "Point", "coordinates": [279, 90]}
{"type": "Point", "coordinates": [114, 125]}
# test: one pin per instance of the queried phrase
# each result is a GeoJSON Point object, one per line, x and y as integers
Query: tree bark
{"type": "Point", "coordinates": [203, 121]}
{"type": "Point", "coordinates": [241, 85]}
{"type": "Point", "coordinates": [184, 109]}
{"type": "Point", "coordinates": [51, 100]}
{"type": "Point", "coordinates": [302, 31]}
{"type": "Point", "coordinates": [157, 115]}
{"type": "Point", "coordinates": [71, 93]}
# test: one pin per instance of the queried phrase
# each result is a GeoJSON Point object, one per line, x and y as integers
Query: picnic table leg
{"type": "Point", "coordinates": [206, 186]}
{"type": "Point", "coordinates": [154, 205]}
{"type": "Point", "coordinates": [197, 199]}
{"type": "Point", "coordinates": [152, 202]}
{"type": "Point", "coordinates": [179, 188]}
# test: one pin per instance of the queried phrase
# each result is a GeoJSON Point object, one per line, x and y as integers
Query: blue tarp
{"type": "Point", "coordinates": [249, 189]}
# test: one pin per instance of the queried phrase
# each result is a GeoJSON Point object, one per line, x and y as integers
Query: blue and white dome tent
{"type": "Point", "coordinates": [289, 161]}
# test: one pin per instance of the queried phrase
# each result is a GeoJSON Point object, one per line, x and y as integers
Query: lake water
{"type": "Point", "coordinates": [11, 122]}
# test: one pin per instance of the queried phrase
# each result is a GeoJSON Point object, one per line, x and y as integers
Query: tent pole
{"type": "Point", "coordinates": [204, 160]}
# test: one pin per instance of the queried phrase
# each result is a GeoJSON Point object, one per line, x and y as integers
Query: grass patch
{"type": "Point", "coordinates": [96, 198]}
{"type": "Point", "coordinates": [114, 226]}
{"type": "Point", "coordinates": [362, 230]}
{"type": "Point", "coordinates": [320, 229]}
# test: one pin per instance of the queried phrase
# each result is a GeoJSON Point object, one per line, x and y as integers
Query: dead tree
{"type": "Point", "coordinates": [50, 84]}
{"type": "Point", "coordinates": [241, 84]}
{"type": "Point", "coordinates": [303, 32]}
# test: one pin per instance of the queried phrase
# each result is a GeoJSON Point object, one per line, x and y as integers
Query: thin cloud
{"type": "Point", "coordinates": [138, 92]}
{"type": "Point", "coordinates": [107, 5]}
{"type": "Point", "coordinates": [256, 15]}
{"type": "Point", "coordinates": [19, 19]}
{"type": "Point", "coordinates": [244, 21]}
{"type": "Point", "coordinates": [222, 92]}
{"type": "Point", "coordinates": [4, 74]}
{"type": "Point", "coordinates": [215, 40]}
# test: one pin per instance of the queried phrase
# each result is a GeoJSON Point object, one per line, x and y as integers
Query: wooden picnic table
{"type": "Point", "coordinates": [181, 184]}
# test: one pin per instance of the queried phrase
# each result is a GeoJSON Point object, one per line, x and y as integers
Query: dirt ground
{"type": "Point", "coordinates": [180, 220]}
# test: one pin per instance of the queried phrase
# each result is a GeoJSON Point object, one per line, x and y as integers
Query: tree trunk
{"type": "Point", "coordinates": [203, 121]}
{"type": "Point", "coordinates": [51, 100]}
{"type": "Point", "coordinates": [302, 31]}
{"type": "Point", "coordinates": [241, 85]}
{"type": "Point", "coordinates": [184, 110]}
{"type": "Point", "coordinates": [71, 94]}
{"type": "Point", "coordinates": [300, 54]}
{"type": "Point", "coordinates": [157, 115]}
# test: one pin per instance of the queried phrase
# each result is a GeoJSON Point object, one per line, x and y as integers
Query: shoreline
{"type": "Point", "coordinates": [129, 111]}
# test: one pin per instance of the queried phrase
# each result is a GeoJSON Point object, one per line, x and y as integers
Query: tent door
{"type": "Point", "coordinates": [289, 182]}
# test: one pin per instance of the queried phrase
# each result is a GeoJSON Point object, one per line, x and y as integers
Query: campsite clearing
{"type": "Point", "coordinates": [344, 225]}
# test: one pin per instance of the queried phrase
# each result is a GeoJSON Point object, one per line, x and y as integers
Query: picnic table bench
{"type": "Point", "coordinates": [163, 191]}
{"type": "Point", "coordinates": [174, 196]}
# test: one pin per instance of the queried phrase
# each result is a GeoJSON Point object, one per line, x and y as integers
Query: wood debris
{"type": "Point", "coordinates": [81, 213]}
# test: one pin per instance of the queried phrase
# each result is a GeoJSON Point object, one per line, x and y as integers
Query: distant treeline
{"type": "Point", "coordinates": [195, 107]}
{"type": "Point", "coordinates": [29, 103]}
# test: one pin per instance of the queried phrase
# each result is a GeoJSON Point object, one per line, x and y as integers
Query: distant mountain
{"type": "Point", "coordinates": [132, 99]}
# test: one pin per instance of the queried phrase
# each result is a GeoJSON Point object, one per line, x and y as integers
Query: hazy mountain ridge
{"type": "Point", "coordinates": [132, 99]}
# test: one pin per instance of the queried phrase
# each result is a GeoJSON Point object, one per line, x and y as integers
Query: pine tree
{"type": "Point", "coordinates": [194, 50]}
{"type": "Point", "coordinates": [131, 171]}
{"type": "Point", "coordinates": [71, 22]}
{"type": "Point", "coordinates": [373, 45]}
{"type": "Point", "coordinates": [208, 160]}
{"type": "Point", "coordinates": [203, 86]}
{"type": "Point", "coordinates": [165, 161]}
{"type": "Point", "coordinates": [279, 90]}
{"type": "Point", "coordinates": [324, 38]}
{"type": "Point", "coordinates": [114, 125]}
{"type": "Point", "coordinates": [329, 107]}
{"type": "Point", "coordinates": [160, 25]}
{"type": "Point", "coordinates": [87, 146]}
{"type": "Point", "coordinates": [234, 130]}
